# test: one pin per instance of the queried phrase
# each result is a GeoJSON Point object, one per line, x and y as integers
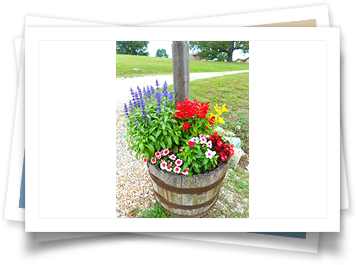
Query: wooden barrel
{"type": "Point", "coordinates": [182, 196]}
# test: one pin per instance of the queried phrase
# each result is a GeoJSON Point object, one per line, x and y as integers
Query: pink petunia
{"type": "Point", "coordinates": [172, 157]}
{"type": "Point", "coordinates": [153, 160]}
{"type": "Point", "coordinates": [163, 165]}
{"type": "Point", "coordinates": [168, 168]}
{"type": "Point", "coordinates": [158, 155]}
{"type": "Point", "coordinates": [177, 169]}
{"type": "Point", "coordinates": [145, 160]}
{"type": "Point", "coordinates": [178, 162]}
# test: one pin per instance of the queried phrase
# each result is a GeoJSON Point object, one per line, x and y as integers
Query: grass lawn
{"type": "Point", "coordinates": [233, 90]}
{"type": "Point", "coordinates": [144, 65]}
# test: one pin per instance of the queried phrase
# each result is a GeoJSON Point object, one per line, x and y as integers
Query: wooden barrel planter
{"type": "Point", "coordinates": [182, 196]}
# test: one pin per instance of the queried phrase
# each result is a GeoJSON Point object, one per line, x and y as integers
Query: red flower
{"type": "Point", "coordinates": [231, 152]}
{"type": "Point", "coordinates": [185, 126]}
{"type": "Point", "coordinates": [211, 120]}
{"type": "Point", "coordinates": [219, 143]}
{"type": "Point", "coordinates": [190, 143]}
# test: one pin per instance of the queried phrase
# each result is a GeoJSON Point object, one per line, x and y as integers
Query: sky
{"type": "Point", "coordinates": [155, 45]}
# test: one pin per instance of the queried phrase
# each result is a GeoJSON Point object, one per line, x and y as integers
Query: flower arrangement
{"type": "Point", "coordinates": [179, 138]}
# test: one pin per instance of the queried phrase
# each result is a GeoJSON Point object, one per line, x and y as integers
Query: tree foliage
{"type": "Point", "coordinates": [132, 47]}
{"type": "Point", "coordinates": [161, 53]}
{"type": "Point", "coordinates": [220, 50]}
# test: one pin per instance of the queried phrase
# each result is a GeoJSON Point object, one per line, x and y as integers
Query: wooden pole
{"type": "Point", "coordinates": [181, 69]}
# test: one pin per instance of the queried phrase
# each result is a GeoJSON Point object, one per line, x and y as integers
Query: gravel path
{"type": "Point", "coordinates": [133, 183]}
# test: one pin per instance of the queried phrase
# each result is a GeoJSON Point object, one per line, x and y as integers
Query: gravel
{"type": "Point", "coordinates": [133, 183]}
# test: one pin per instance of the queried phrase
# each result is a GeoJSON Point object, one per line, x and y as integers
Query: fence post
{"type": "Point", "coordinates": [181, 69]}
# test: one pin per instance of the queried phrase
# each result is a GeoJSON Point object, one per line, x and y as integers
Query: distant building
{"type": "Point", "coordinates": [246, 60]}
{"type": "Point", "coordinates": [194, 56]}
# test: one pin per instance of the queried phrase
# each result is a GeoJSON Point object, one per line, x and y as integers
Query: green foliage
{"type": "Point", "coordinates": [161, 53]}
{"type": "Point", "coordinates": [214, 49]}
{"type": "Point", "coordinates": [153, 128]}
{"type": "Point", "coordinates": [157, 211]}
{"type": "Point", "coordinates": [132, 47]}
{"type": "Point", "coordinates": [195, 157]}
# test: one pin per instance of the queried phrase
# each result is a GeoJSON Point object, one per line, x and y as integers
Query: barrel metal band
{"type": "Point", "coordinates": [191, 216]}
{"type": "Point", "coordinates": [198, 190]}
{"type": "Point", "coordinates": [185, 207]}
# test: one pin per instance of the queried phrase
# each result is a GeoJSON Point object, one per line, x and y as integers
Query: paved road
{"type": "Point", "coordinates": [123, 84]}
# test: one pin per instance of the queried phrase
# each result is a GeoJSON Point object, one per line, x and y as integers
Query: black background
{"type": "Point", "coordinates": [134, 248]}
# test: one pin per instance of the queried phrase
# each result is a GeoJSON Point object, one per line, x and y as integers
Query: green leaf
{"type": "Point", "coordinates": [152, 129]}
{"type": "Point", "coordinates": [141, 146]}
{"type": "Point", "coordinates": [152, 138]}
{"type": "Point", "coordinates": [163, 144]}
{"type": "Point", "coordinates": [152, 149]}
{"type": "Point", "coordinates": [157, 133]}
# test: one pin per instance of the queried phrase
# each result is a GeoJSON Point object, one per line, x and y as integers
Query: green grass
{"type": "Point", "coordinates": [125, 65]}
{"type": "Point", "coordinates": [156, 211]}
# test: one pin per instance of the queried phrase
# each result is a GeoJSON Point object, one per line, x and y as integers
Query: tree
{"type": "Point", "coordinates": [161, 53]}
{"type": "Point", "coordinates": [219, 49]}
{"type": "Point", "coordinates": [133, 47]}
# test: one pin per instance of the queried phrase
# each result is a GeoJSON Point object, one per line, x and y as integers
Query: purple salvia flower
{"type": "Point", "coordinates": [171, 96]}
{"type": "Point", "coordinates": [144, 92]}
{"type": "Point", "coordinates": [137, 100]}
{"type": "Point", "coordinates": [136, 123]}
{"type": "Point", "coordinates": [132, 93]}
{"type": "Point", "coordinates": [164, 90]}
{"type": "Point", "coordinates": [126, 111]}
{"type": "Point", "coordinates": [157, 84]}
{"type": "Point", "coordinates": [131, 108]}
{"type": "Point", "coordinates": [140, 93]}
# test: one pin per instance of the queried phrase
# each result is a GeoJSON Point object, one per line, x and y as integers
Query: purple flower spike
{"type": "Point", "coordinates": [157, 83]}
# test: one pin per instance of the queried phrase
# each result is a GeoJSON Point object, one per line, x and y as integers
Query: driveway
{"type": "Point", "coordinates": [122, 92]}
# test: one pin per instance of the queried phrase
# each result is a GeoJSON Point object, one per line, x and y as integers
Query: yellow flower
{"type": "Point", "coordinates": [224, 108]}
{"type": "Point", "coordinates": [216, 108]}
{"type": "Point", "coordinates": [220, 120]}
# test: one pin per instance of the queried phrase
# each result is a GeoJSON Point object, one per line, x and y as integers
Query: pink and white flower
{"type": "Point", "coordinates": [203, 140]}
{"type": "Point", "coordinates": [158, 155]}
{"type": "Point", "coordinates": [209, 144]}
{"type": "Point", "coordinates": [153, 160]}
{"type": "Point", "coordinates": [209, 154]}
{"type": "Point", "coordinates": [165, 152]}
{"type": "Point", "coordinates": [177, 169]}
{"type": "Point", "coordinates": [185, 172]}
{"type": "Point", "coordinates": [163, 165]}
{"type": "Point", "coordinates": [180, 149]}
{"type": "Point", "coordinates": [168, 168]}
{"type": "Point", "coordinates": [194, 139]}
{"type": "Point", "coordinates": [145, 160]}
{"type": "Point", "coordinates": [172, 157]}
{"type": "Point", "coordinates": [170, 163]}
{"type": "Point", "coordinates": [178, 162]}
